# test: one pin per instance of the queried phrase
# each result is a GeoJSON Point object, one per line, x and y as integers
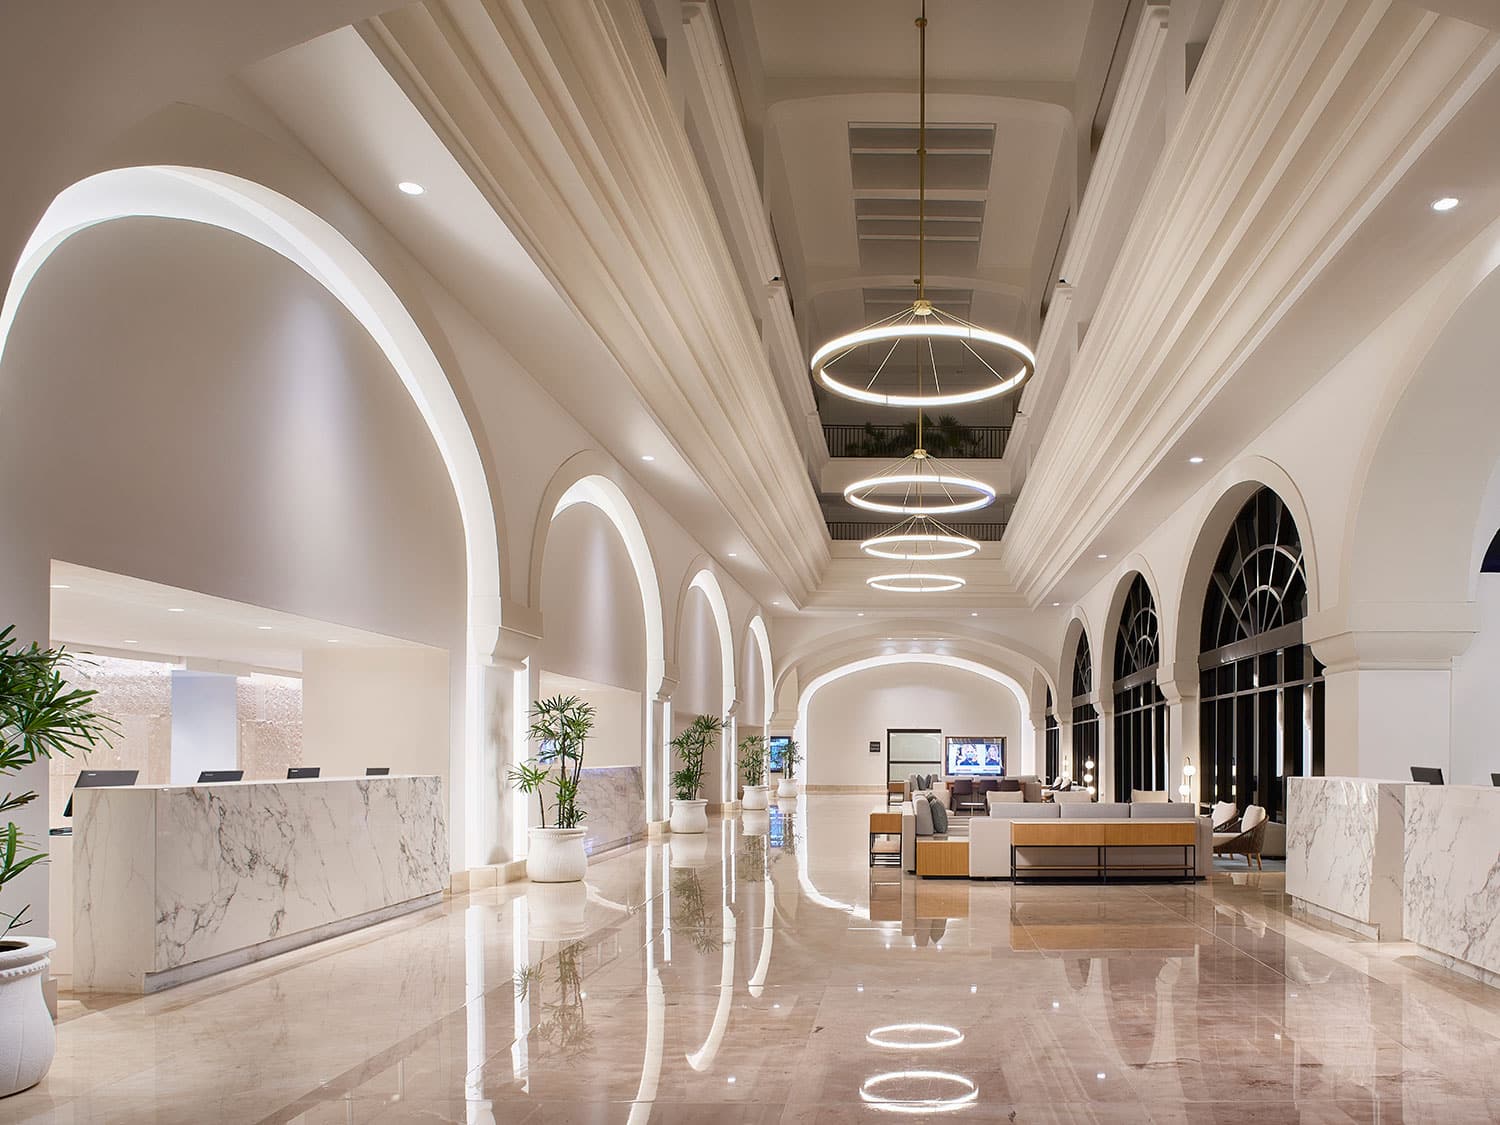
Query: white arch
{"type": "Point", "coordinates": [609, 498]}
{"type": "Point", "coordinates": [704, 580]}
{"type": "Point", "coordinates": [281, 224]}
{"type": "Point", "coordinates": [1010, 683]}
{"type": "Point", "coordinates": [768, 691]}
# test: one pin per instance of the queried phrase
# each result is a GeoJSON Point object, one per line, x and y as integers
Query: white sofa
{"type": "Point", "coordinates": [989, 837]}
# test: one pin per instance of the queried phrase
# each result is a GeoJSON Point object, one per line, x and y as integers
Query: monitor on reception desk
{"type": "Point", "coordinates": [975, 757]}
{"type": "Point", "coordinates": [100, 779]}
{"type": "Point", "coordinates": [207, 776]}
{"type": "Point", "coordinates": [1429, 775]}
{"type": "Point", "coordinates": [378, 771]}
{"type": "Point", "coordinates": [1495, 780]}
{"type": "Point", "coordinates": [302, 771]}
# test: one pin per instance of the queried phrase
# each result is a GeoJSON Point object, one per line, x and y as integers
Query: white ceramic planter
{"type": "Point", "coordinates": [556, 855]}
{"type": "Point", "coordinates": [27, 1038]}
{"type": "Point", "coordinates": [756, 797]}
{"type": "Point", "coordinates": [689, 816]}
{"type": "Point", "coordinates": [786, 787]}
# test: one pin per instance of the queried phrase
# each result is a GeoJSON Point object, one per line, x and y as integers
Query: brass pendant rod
{"type": "Point", "coordinates": [921, 188]}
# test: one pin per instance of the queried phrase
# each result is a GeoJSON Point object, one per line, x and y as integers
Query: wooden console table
{"type": "Point", "coordinates": [1102, 835]}
{"type": "Point", "coordinates": [885, 852]}
{"type": "Point", "coordinates": [943, 857]}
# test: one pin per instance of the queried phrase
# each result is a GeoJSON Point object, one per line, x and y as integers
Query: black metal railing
{"type": "Point", "coordinates": [940, 440]}
{"type": "Point", "coordinates": [868, 529]}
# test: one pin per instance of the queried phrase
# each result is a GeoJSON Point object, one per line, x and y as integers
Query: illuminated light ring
{"type": "Point", "coordinates": [877, 333]}
{"type": "Point", "coordinates": [984, 494]}
{"type": "Point", "coordinates": [868, 1094]}
{"type": "Point", "coordinates": [962, 547]}
{"type": "Point", "coordinates": [881, 1037]}
{"type": "Point", "coordinates": [893, 583]}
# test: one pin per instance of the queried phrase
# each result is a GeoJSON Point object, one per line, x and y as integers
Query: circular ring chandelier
{"type": "Point", "coordinates": [928, 488]}
{"type": "Point", "coordinates": [912, 582]}
{"type": "Point", "coordinates": [924, 326]}
{"type": "Point", "coordinates": [920, 539]}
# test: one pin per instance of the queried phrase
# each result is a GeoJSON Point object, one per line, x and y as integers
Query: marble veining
{"type": "Point", "coordinates": [615, 800]}
{"type": "Point", "coordinates": [1344, 847]}
{"type": "Point", "coordinates": [175, 875]}
{"type": "Point", "coordinates": [1452, 885]}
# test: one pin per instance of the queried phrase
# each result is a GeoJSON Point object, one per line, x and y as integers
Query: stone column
{"type": "Point", "coordinates": [1179, 684]}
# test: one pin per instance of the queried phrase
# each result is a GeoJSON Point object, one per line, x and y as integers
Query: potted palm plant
{"type": "Point", "coordinates": [40, 715]}
{"type": "Point", "coordinates": [753, 755]}
{"type": "Point", "coordinates": [790, 756]}
{"type": "Point", "coordinates": [689, 811]}
{"type": "Point", "coordinates": [560, 725]}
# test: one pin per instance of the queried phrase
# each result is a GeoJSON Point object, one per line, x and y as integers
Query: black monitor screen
{"type": "Point", "coordinates": [378, 771]}
{"type": "Point", "coordinates": [777, 745]}
{"type": "Point", "coordinates": [302, 771]}
{"type": "Point", "coordinates": [209, 776]}
{"type": "Point", "coordinates": [1495, 779]}
{"type": "Point", "coordinates": [100, 779]}
{"type": "Point", "coordinates": [1427, 774]}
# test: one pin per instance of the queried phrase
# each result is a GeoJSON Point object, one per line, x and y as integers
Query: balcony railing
{"type": "Point", "coordinates": [868, 529]}
{"type": "Point", "coordinates": [941, 440]}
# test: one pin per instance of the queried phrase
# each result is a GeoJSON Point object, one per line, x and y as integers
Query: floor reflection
{"type": "Point", "coordinates": [764, 972]}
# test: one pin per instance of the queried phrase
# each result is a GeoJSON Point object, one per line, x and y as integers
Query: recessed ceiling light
{"type": "Point", "coordinates": [264, 627]}
{"type": "Point", "coordinates": [61, 586]}
{"type": "Point", "coordinates": [1056, 604]}
{"type": "Point", "coordinates": [734, 554]}
{"type": "Point", "coordinates": [647, 457]}
{"type": "Point", "coordinates": [1195, 460]}
{"type": "Point", "coordinates": [861, 613]}
{"type": "Point", "coordinates": [775, 603]}
{"type": "Point", "coordinates": [130, 642]}
{"type": "Point", "coordinates": [410, 188]}
{"type": "Point", "coordinates": [333, 640]}
{"type": "Point", "coordinates": [1101, 556]}
{"type": "Point", "coordinates": [1447, 203]}
{"type": "Point", "coordinates": [175, 609]}
{"type": "Point", "coordinates": [974, 615]}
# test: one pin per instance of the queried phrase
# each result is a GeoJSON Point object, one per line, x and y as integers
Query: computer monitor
{"type": "Point", "coordinates": [1429, 775]}
{"type": "Point", "coordinates": [1495, 780]}
{"type": "Point", "coordinates": [378, 771]}
{"type": "Point", "coordinates": [100, 779]}
{"type": "Point", "coordinates": [208, 776]}
{"type": "Point", "coordinates": [303, 771]}
{"type": "Point", "coordinates": [975, 756]}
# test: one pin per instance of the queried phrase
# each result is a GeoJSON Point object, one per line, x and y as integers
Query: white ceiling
{"type": "Point", "coordinates": [96, 611]}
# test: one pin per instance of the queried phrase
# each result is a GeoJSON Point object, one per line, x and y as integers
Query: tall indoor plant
{"type": "Point", "coordinates": [561, 726]}
{"type": "Point", "coordinates": [790, 756]}
{"type": "Point", "coordinates": [689, 810]}
{"type": "Point", "coordinates": [40, 715]}
{"type": "Point", "coordinates": [753, 756]}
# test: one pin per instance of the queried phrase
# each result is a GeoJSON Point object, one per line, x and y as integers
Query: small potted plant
{"type": "Point", "coordinates": [790, 756]}
{"type": "Point", "coordinates": [689, 811]}
{"type": "Point", "coordinates": [40, 715]}
{"type": "Point", "coordinates": [561, 725]}
{"type": "Point", "coordinates": [753, 755]}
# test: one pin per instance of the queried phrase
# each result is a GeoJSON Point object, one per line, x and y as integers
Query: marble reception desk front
{"type": "Point", "coordinates": [615, 801]}
{"type": "Point", "coordinates": [1452, 876]}
{"type": "Point", "coordinates": [1344, 844]}
{"type": "Point", "coordinates": [174, 883]}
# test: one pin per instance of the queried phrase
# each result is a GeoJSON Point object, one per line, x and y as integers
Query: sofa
{"type": "Point", "coordinates": [989, 837]}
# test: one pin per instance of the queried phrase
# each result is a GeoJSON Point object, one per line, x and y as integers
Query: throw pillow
{"type": "Point", "coordinates": [943, 797]}
{"type": "Point", "coordinates": [939, 817]}
{"type": "Point", "coordinates": [922, 810]}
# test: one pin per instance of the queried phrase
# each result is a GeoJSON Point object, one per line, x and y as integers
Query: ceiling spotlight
{"type": "Point", "coordinates": [410, 188]}
{"type": "Point", "coordinates": [1056, 604]}
{"type": "Point", "coordinates": [1195, 460]}
{"type": "Point", "coordinates": [1101, 556]}
{"type": "Point", "coordinates": [61, 586]}
{"type": "Point", "coordinates": [974, 614]}
{"type": "Point", "coordinates": [333, 640]}
{"type": "Point", "coordinates": [734, 554]}
{"type": "Point", "coordinates": [264, 627]}
{"type": "Point", "coordinates": [775, 603]}
{"type": "Point", "coordinates": [175, 609]}
{"type": "Point", "coordinates": [130, 642]}
{"type": "Point", "coordinates": [1447, 203]}
{"type": "Point", "coordinates": [647, 457]}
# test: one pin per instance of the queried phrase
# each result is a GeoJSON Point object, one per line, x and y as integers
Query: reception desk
{"type": "Point", "coordinates": [173, 883]}
{"type": "Point", "coordinates": [1451, 894]}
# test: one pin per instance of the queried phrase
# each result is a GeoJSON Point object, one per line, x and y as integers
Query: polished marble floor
{"type": "Point", "coordinates": [764, 973]}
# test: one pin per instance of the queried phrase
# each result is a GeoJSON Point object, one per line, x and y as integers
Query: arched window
{"type": "Point", "coordinates": [1261, 702]}
{"type": "Point", "coordinates": [1085, 717]}
{"type": "Point", "coordinates": [1140, 708]}
{"type": "Point", "coordinates": [1052, 767]}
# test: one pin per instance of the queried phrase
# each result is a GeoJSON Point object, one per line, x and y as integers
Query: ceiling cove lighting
{"type": "Point", "coordinates": [926, 331]}
{"type": "Point", "coordinates": [1447, 203]}
{"type": "Point", "coordinates": [915, 583]}
{"type": "Point", "coordinates": [409, 188]}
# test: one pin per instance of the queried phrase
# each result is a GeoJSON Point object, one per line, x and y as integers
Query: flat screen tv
{"type": "Point", "coordinates": [975, 757]}
{"type": "Point", "coordinates": [777, 745]}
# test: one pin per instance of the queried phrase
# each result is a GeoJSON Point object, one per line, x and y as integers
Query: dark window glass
{"type": "Point", "coordinates": [1140, 751]}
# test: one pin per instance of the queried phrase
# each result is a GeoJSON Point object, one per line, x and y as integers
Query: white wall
{"type": "Point", "coordinates": [619, 727]}
{"type": "Point", "coordinates": [205, 724]}
{"type": "Point", "coordinates": [846, 715]}
{"type": "Point", "coordinates": [1476, 694]}
{"type": "Point", "coordinates": [592, 616]}
{"type": "Point", "coordinates": [375, 707]}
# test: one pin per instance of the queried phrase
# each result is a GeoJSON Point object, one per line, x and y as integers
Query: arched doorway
{"type": "Point", "coordinates": [1261, 689]}
{"type": "Point", "coordinates": [1085, 715]}
{"type": "Point", "coordinates": [1140, 714]}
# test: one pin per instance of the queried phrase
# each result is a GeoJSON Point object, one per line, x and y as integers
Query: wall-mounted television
{"type": "Point", "coordinates": [777, 745]}
{"type": "Point", "coordinates": [975, 757]}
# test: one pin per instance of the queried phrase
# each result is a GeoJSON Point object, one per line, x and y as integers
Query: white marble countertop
{"type": "Point", "coordinates": [1452, 876]}
{"type": "Point", "coordinates": [176, 882]}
